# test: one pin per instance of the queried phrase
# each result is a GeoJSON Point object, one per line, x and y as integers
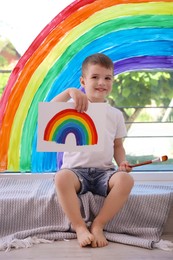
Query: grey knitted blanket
{"type": "Point", "coordinates": [29, 209]}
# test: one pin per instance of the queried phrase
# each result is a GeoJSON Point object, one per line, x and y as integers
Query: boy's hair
{"type": "Point", "coordinates": [100, 59]}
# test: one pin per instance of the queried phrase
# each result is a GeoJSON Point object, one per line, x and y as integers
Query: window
{"type": "Point", "coordinates": [144, 97]}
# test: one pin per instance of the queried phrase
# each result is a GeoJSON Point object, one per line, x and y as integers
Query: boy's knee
{"type": "Point", "coordinates": [125, 181]}
{"type": "Point", "coordinates": [61, 178]}
{"type": "Point", "coordinates": [65, 179]}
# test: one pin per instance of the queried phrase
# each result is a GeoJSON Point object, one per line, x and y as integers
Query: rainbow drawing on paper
{"type": "Point", "coordinates": [70, 121]}
{"type": "Point", "coordinates": [135, 34]}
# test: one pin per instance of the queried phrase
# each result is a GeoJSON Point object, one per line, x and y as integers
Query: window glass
{"type": "Point", "coordinates": [146, 100]}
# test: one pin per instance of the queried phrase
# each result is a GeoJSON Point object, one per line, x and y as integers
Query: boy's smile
{"type": "Point", "coordinates": [97, 82]}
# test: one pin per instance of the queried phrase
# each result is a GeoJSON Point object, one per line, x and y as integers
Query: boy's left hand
{"type": "Point", "coordinates": [124, 166]}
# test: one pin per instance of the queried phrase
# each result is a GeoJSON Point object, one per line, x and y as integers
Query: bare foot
{"type": "Point", "coordinates": [99, 238]}
{"type": "Point", "coordinates": [84, 236]}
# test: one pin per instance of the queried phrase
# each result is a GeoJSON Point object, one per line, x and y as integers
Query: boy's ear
{"type": "Point", "coordinates": [82, 81]}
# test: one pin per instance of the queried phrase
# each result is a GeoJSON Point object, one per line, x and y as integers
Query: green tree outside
{"type": "Point", "coordinates": [133, 91]}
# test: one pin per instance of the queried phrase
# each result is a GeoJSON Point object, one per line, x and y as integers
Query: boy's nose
{"type": "Point", "coordinates": [101, 82]}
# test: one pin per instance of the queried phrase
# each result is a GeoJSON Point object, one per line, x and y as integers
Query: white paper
{"type": "Point", "coordinates": [47, 110]}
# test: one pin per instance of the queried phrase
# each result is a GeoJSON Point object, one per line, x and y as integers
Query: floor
{"type": "Point", "coordinates": [71, 250]}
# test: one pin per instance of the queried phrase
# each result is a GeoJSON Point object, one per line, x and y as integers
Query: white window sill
{"type": "Point", "coordinates": [153, 177]}
{"type": "Point", "coordinates": [140, 177]}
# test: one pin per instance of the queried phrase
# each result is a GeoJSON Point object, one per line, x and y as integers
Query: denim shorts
{"type": "Point", "coordinates": [94, 180]}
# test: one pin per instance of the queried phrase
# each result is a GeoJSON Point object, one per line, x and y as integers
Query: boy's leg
{"type": "Point", "coordinates": [120, 185]}
{"type": "Point", "coordinates": [67, 185]}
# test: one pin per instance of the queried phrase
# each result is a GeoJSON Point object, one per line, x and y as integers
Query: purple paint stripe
{"type": "Point", "coordinates": [142, 63]}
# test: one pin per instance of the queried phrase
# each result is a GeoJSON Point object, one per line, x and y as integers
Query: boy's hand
{"type": "Point", "coordinates": [124, 166]}
{"type": "Point", "coordinates": [80, 99]}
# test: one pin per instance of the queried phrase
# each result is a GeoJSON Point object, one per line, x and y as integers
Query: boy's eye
{"type": "Point", "coordinates": [108, 78]}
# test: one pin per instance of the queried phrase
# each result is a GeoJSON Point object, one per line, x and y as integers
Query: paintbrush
{"type": "Point", "coordinates": [159, 159]}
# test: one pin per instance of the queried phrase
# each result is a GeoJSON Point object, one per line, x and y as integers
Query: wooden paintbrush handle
{"type": "Point", "coordinates": [162, 159]}
{"type": "Point", "coordinates": [140, 164]}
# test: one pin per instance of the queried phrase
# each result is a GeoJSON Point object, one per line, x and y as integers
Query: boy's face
{"type": "Point", "coordinates": [97, 82]}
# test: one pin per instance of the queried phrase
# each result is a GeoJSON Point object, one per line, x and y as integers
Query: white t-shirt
{"type": "Point", "coordinates": [115, 128]}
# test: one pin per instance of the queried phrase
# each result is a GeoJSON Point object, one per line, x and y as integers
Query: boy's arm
{"type": "Point", "coordinates": [79, 98]}
{"type": "Point", "coordinates": [62, 97]}
{"type": "Point", "coordinates": [120, 156]}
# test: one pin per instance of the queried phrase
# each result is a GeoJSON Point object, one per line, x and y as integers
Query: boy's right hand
{"type": "Point", "coordinates": [80, 99]}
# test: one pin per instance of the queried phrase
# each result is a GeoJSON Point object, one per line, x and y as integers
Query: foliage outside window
{"type": "Point", "coordinates": [8, 59]}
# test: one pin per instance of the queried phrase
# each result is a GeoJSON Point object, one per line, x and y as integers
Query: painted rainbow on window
{"type": "Point", "coordinates": [69, 121]}
{"type": "Point", "coordinates": [136, 35]}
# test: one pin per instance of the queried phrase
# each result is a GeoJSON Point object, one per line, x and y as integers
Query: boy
{"type": "Point", "coordinates": [81, 169]}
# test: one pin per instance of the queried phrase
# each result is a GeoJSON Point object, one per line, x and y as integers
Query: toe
{"type": "Point", "coordinates": [94, 243]}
